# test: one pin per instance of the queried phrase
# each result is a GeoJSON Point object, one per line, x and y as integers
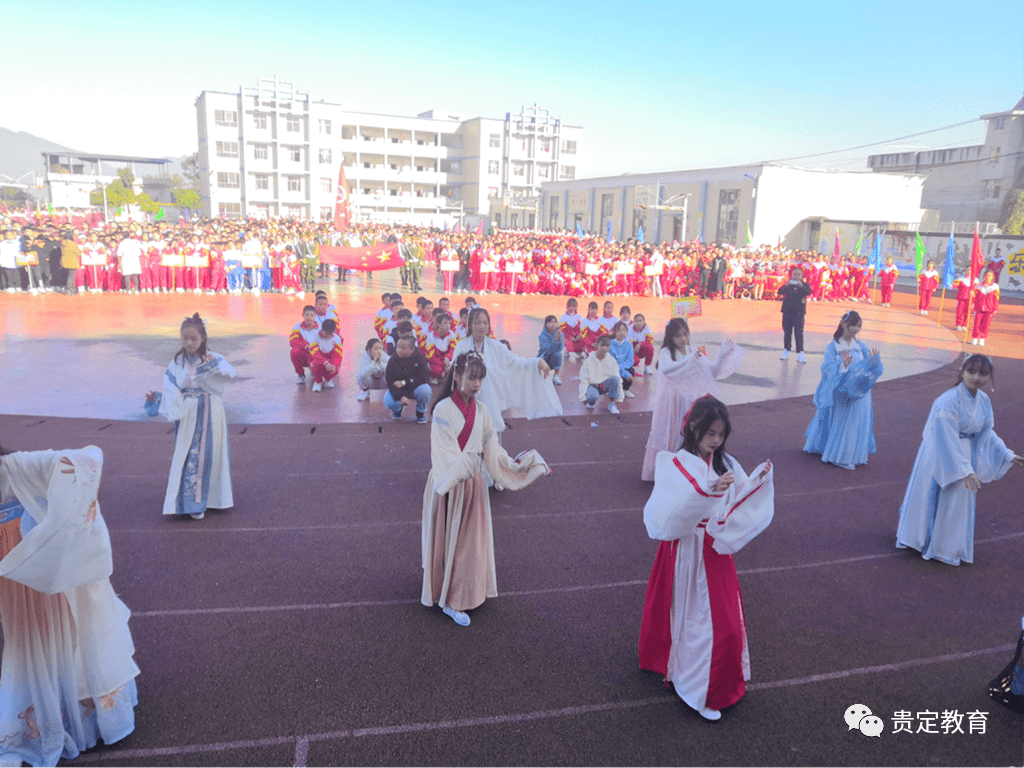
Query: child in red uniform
{"type": "Point", "coordinates": [608, 320]}
{"type": "Point", "coordinates": [572, 331]}
{"type": "Point", "coordinates": [303, 335]}
{"type": "Point", "coordinates": [591, 327]}
{"type": "Point", "coordinates": [927, 282]}
{"type": "Point", "coordinates": [888, 276]}
{"type": "Point", "coordinates": [439, 344]}
{"type": "Point", "coordinates": [642, 338]}
{"type": "Point", "coordinates": [326, 352]}
{"type": "Point", "coordinates": [963, 298]}
{"type": "Point", "coordinates": [383, 315]}
{"type": "Point", "coordinates": [986, 304]}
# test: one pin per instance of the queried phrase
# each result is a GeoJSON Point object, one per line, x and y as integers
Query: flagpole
{"type": "Point", "coordinates": [970, 286]}
{"type": "Point", "coordinates": [941, 302]}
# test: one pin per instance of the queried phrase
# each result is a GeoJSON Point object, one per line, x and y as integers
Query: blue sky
{"type": "Point", "coordinates": [657, 86]}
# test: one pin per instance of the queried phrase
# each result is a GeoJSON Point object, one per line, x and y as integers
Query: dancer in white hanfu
{"type": "Point", "coordinates": [512, 381]}
{"type": "Point", "coordinates": [703, 509]}
{"type": "Point", "coordinates": [68, 675]}
{"type": "Point", "coordinates": [193, 384]}
{"type": "Point", "coordinates": [458, 543]}
{"type": "Point", "coordinates": [959, 452]}
{"type": "Point", "coordinates": [683, 376]}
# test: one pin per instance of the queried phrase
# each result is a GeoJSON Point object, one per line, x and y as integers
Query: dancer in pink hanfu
{"type": "Point", "coordinates": [703, 509]}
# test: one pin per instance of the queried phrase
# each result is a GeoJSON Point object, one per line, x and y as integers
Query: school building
{"type": "Point", "coordinates": [271, 150]}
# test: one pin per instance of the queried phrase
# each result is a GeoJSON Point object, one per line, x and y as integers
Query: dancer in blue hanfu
{"type": "Point", "coordinates": [842, 430]}
{"type": "Point", "coordinates": [959, 452]}
{"type": "Point", "coordinates": [193, 384]}
{"type": "Point", "coordinates": [68, 675]}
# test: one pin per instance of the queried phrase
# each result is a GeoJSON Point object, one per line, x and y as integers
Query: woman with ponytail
{"type": "Point", "coordinates": [458, 544]}
{"type": "Point", "coordinates": [193, 385]}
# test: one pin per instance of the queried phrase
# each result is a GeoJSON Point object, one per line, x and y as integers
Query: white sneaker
{"type": "Point", "coordinates": [364, 395]}
{"type": "Point", "coordinates": [256, 292]}
{"type": "Point", "coordinates": [198, 516]}
{"type": "Point", "coordinates": [556, 379]}
{"type": "Point", "coordinates": [179, 290]}
{"type": "Point", "coordinates": [301, 380]}
{"type": "Point", "coordinates": [329, 383]}
{"type": "Point", "coordinates": [317, 386]}
{"type": "Point", "coordinates": [627, 393]}
{"type": "Point", "coordinates": [785, 355]}
{"type": "Point", "coordinates": [460, 618]}
{"type": "Point", "coordinates": [974, 342]}
{"type": "Point", "coordinates": [613, 408]}
{"type": "Point", "coordinates": [982, 342]}
{"type": "Point", "coordinates": [800, 358]}
{"type": "Point", "coordinates": [710, 714]}
{"type": "Point", "coordinates": [590, 405]}
{"type": "Point", "coordinates": [650, 370]}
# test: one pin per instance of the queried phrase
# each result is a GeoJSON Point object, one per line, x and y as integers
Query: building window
{"type": "Point", "coordinates": [262, 181]}
{"type": "Point", "coordinates": [230, 210]}
{"type": "Point", "coordinates": [992, 189]}
{"type": "Point", "coordinates": [999, 123]}
{"type": "Point", "coordinates": [494, 140]}
{"type": "Point", "coordinates": [607, 203]}
{"type": "Point", "coordinates": [260, 152]}
{"type": "Point", "coordinates": [226, 118]}
{"type": "Point", "coordinates": [567, 173]}
{"type": "Point", "coordinates": [291, 124]}
{"type": "Point", "coordinates": [325, 127]}
{"type": "Point", "coordinates": [259, 122]}
{"type": "Point", "coordinates": [295, 154]}
{"type": "Point", "coordinates": [492, 192]}
{"type": "Point", "coordinates": [227, 180]}
{"type": "Point", "coordinates": [542, 171]}
{"type": "Point", "coordinates": [728, 216]}
{"type": "Point", "coordinates": [492, 167]}
{"type": "Point", "coordinates": [326, 213]}
{"type": "Point", "coordinates": [325, 185]}
{"type": "Point", "coordinates": [568, 147]}
{"type": "Point", "coordinates": [993, 156]}
{"type": "Point", "coordinates": [325, 157]}
{"type": "Point", "coordinates": [518, 169]}
{"type": "Point", "coordinates": [294, 211]}
{"type": "Point", "coordinates": [227, 149]}
{"type": "Point", "coordinates": [553, 215]}
{"type": "Point", "coordinates": [294, 183]}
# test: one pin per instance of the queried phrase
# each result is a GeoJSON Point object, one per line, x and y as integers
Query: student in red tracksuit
{"type": "Point", "coordinates": [642, 338]}
{"type": "Point", "coordinates": [572, 330]}
{"type": "Point", "coordinates": [963, 298]}
{"type": "Point", "coordinates": [888, 275]}
{"type": "Point", "coordinates": [591, 326]}
{"type": "Point", "coordinates": [326, 352]}
{"type": "Point", "coordinates": [986, 304]}
{"type": "Point", "coordinates": [303, 335]}
{"type": "Point", "coordinates": [927, 282]}
{"type": "Point", "coordinates": [438, 345]}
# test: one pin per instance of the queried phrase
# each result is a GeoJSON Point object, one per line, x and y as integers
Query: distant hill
{"type": "Point", "coordinates": [21, 153]}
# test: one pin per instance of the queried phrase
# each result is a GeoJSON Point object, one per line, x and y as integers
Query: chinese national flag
{"type": "Point", "coordinates": [342, 207]}
{"type": "Point", "coordinates": [977, 259]}
{"type": "Point", "coordinates": [366, 259]}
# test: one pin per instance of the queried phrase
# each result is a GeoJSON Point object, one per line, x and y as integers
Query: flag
{"type": "Point", "coordinates": [579, 230]}
{"type": "Point", "coordinates": [342, 208]}
{"type": "Point", "coordinates": [750, 239]}
{"type": "Point", "coordinates": [836, 252]}
{"type": "Point", "coordinates": [640, 234]}
{"type": "Point", "coordinates": [950, 268]}
{"type": "Point", "coordinates": [4, 206]}
{"type": "Point", "coordinates": [860, 240]}
{"type": "Point", "coordinates": [185, 212]}
{"type": "Point", "coordinates": [876, 253]}
{"type": "Point", "coordinates": [161, 214]}
{"type": "Point", "coordinates": [119, 209]}
{"type": "Point", "coordinates": [919, 252]}
{"type": "Point", "coordinates": [366, 259]}
{"type": "Point", "coordinates": [49, 207]}
{"type": "Point", "coordinates": [28, 211]}
{"type": "Point", "coordinates": [977, 259]}
{"type": "Point", "coordinates": [446, 225]}
{"type": "Point", "coordinates": [698, 240]}
{"type": "Point", "coordinates": [457, 229]}
{"type": "Point", "coordinates": [608, 234]}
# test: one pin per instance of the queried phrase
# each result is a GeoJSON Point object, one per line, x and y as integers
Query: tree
{"type": "Point", "coordinates": [1012, 219]}
{"type": "Point", "coordinates": [147, 204]}
{"type": "Point", "coordinates": [187, 198]}
{"type": "Point", "coordinates": [190, 170]}
{"type": "Point", "coordinates": [119, 191]}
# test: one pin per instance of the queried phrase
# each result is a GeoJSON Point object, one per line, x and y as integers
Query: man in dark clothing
{"type": "Point", "coordinates": [794, 307]}
{"type": "Point", "coordinates": [406, 377]}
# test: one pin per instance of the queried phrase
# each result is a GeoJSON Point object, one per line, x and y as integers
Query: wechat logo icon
{"type": "Point", "coordinates": [859, 716]}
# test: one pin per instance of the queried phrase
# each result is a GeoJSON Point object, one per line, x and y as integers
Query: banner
{"type": "Point", "coordinates": [688, 306]}
{"type": "Point", "coordinates": [367, 259]}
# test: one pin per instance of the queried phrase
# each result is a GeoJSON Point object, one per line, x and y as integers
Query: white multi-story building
{"type": "Point", "coordinates": [273, 151]}
{"type": "Point", "coordinates": [967, 184]}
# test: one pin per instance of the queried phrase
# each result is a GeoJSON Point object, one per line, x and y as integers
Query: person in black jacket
{"type": "Point", "coordinates": [406, 377]}
{"type": "Point", "coordinates": [794, 307]}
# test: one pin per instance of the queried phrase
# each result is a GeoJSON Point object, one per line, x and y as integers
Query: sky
{"type": "Point", "coordinates": [657, 86]}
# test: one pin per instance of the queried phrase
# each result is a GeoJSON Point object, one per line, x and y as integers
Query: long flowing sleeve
{"type": "Point", "coordinates": [860, 377]}
{"type": "Point", "coordinates": [992, 458]}
{"type": "Point", "coordinates": [512, 474]}
{"type": "Point", "coordinates": [832, 370]}
{"type": "Point", "coordinates": [214, 375]}
{"type": "Point", "coordinates": [682, 496]}
{"type": "Point", "coordinates": [749, 509]}
{"type": "Point", "coordinates": [727, 361]}
{"type": "Point", "coordinates": [952, 455]}
{"type": "Point", "coordinates": [448, 464]}
{"type": "Point", "coordinates": [172, 404]}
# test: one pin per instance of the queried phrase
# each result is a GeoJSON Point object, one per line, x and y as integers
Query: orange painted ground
{"type": "Point", "coordinates": [96, 355]}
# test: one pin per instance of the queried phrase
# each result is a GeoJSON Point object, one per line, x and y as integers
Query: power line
{"type": "Point", "coordinates": [876, 143]}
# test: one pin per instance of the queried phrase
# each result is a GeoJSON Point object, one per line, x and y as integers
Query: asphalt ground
{"type": "Point", "coordinates": [288, 630]}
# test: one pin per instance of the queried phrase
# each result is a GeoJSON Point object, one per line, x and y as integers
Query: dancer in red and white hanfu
{"type": "Point", "coordinates": [703, 509]}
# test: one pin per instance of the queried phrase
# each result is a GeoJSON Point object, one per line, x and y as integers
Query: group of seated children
{"type": "Point", "coordinates": [615, 349]}
{"type": "Point", "coordinates": [315, 344]}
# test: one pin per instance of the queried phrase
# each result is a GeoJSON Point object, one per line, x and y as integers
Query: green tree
{"type": "Point", "coordinates": [1012, 219]}
{"type": "Point", "coordinates": [119, 191]}
{"type": "Point", "coordinates": [190, 170]}
{"type": "Point", "coordinates": [147, 204]}
{"type": "Point", "coordinates": [187, 198]}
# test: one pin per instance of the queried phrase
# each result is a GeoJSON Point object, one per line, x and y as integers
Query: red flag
{"type": "Point", "coordinates": [479, 227]}
{"type": "Point", "coordinates": [367, 259]}
{"type": "Point", "coordinates": [342, 209]}
{"type": "Point", "coordinates": [977, 259]}
{"type": "Point", "coordinates": [835, 249]}
{"type": "Point", "coordinates": [4, 206]}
